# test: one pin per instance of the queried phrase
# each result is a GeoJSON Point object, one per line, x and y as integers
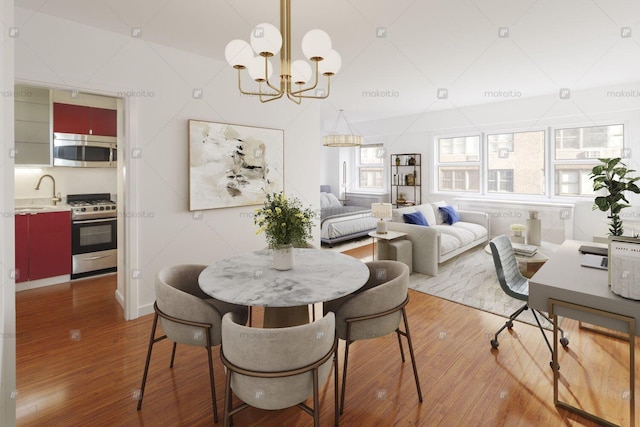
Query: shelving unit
{"type": "Point", "coordinates": [406, 179]}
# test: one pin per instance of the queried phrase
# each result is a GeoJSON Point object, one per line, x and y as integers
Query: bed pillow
{"type": "Point", "coordinates": [324, 202]}
{"type": "Point", "coordinates": [416, 218]}
{"type": "Point", "coordinates": [450, 214]}
{"type": "Point", "coordinates": [333, 201]}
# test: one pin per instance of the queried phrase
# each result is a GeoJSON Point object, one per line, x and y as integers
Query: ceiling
{"type": "Point", "coordinates": [398, 55]}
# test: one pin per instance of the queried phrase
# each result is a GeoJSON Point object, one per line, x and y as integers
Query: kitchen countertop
{"type": "Point", "coordinates": [39, 205]}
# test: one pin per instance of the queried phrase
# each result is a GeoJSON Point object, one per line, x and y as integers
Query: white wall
{"type": "Point", "coordinates": [7, 259]}
{"type": "Point", "coordinates": [587, 107]}
{"type": "Point", "coordinates": [160, 84]}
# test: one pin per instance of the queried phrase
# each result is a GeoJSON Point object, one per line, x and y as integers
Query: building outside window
{"type": "Point", "coordinates": [515, 162]}
{"type": "Point", "coordinates": [371, 167]}
{"type": "Point", "coordinates": [459, 164]}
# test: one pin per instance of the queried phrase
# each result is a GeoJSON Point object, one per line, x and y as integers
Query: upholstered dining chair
{"type": "Point", "coordinates": [187, 316]}
{"type": "Point", "coordinates": [514, 284]}
{"type": "Point", "coordinates": [375, 310]}
{"type": "Point", "coordinates": [276, 368]}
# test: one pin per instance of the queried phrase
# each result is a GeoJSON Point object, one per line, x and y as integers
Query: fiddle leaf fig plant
{"type": "Point", "coordinates": [613, 176]}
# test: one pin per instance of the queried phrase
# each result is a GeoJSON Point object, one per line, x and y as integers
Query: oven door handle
{"type": "Point", "coordinates": [89, 221]}
{"type": "Point", "coordinates": [96, 257]}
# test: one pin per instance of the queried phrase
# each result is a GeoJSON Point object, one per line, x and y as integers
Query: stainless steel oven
{"type": "Point", "coordinates": [93, 234]}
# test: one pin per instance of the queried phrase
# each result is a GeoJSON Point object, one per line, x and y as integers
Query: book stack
{"type": "Point", "coordinates": [524, 250]}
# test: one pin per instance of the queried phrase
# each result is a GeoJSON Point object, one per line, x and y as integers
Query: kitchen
{"type": "Point", "coordinates": [66, 185]}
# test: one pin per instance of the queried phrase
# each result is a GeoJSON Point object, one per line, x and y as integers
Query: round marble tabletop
{"type": "Point", "coordinates": [317, 276]}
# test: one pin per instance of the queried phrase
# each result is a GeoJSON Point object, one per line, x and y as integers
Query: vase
{"type": "Point", "coordinates": [534, 229]}
{"type": "Point", "coordinates": [517, 237]}
{"type": "Point", "coordinates": [283, 257]}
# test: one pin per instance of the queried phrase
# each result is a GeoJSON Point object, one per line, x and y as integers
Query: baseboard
{"type": "Point", "coordinates": [143, 310]}
{"type": "Point", "coordinates": [41, 283]}
{"type": "Point", "coordinates": [120, 298]}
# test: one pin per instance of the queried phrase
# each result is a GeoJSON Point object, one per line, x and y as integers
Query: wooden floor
{"type": "Point", "coordinates": [79, 364]}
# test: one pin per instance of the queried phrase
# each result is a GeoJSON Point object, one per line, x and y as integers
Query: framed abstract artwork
{"type": "Point", "coordinates": [233, 165]}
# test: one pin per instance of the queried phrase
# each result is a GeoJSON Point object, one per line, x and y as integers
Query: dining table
{"type": "Point", "coordinates": [317, 276]}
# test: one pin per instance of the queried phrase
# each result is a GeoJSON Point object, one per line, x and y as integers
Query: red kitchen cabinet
{"type": "Point", "coordinates": [79, 119]}
{"type": "Point", "coordinates": [47, 238]}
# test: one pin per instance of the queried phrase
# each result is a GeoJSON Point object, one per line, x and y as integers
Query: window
{"type": "Point", "coordinates": [371, 167]}
{"type": "Point", "coordinates": [577, 151]}
{"type": "Point", "coordinates": [459, 164]}
{"type": "Point", "coordinates": [515, 162]}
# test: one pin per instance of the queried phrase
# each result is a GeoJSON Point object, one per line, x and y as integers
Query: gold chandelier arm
{"type": "Point", "coordinates": [272, 96]}
{"type": "Point", "coordinates": [325, 96]}
{"type": "Point", "coordinates": [260, 93]}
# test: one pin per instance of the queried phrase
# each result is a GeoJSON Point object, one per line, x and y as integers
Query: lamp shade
{"type": "Point", "coordinates": [238, 53]}
{"type": "Point", "coordinates": [316, 44]}
{"type": "Point", "coordinates": [381, 210]}
{"type": "Point", "coordinates": [344, 140]}
{"type": "Point", "coordinates": [266, 39]}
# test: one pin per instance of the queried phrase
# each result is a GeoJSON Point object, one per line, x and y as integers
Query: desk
{"type": "Point", "coordinates": [563, 288]}
{"type": "Point", "coordinates": [250, 279]}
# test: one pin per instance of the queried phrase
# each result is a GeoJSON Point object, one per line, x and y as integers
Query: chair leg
{"type": "Point", "coordinates": [335, 387]}
{"type": "Point", "coordinates": [563, 340]}
{"type": "Point", "coordinates": [398, 333]}
{"type": "Point", "coordinates": [146, 363]}
{"type": "Point", "coordinates": [316, 399]}
{"type": "Point", "coordinates": [508, 324]}
{"type": "Point", "coordinates": [173, 354]}
{"type": "Point", "coordinates": [407, 334]}
{"type": "Point", "coordinates": [227, 400]}
{"type": "Point", "coordinates": [250, 316]}
{"type": "Point", "coordinates": [211, 379]}
{"type": "Point", "coordinates": [344, 374]}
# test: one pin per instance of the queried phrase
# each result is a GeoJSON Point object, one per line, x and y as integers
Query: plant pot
{"type": "Point", "coordinates": [283, 257]}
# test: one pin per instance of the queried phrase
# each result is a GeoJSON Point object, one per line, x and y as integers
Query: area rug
{"type": "Point", "coordinates": [470, 279]}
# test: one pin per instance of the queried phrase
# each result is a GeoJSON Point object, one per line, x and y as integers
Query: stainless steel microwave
{"type": "Point", "coordinates": [84, 151]}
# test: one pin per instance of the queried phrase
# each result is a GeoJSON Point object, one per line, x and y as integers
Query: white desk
{"type": "Point", "coordinates": [564, 288]}
{"type": "Point", "coordinates": [250, 279]}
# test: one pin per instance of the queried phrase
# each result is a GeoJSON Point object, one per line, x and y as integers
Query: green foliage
{"type": "Point", "coordinates": [284, 221]}
{"type": "Point", "coordinates": [613, 176]}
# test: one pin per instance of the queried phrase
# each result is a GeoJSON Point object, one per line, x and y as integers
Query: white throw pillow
{"type": "Point", "coordinates": [324, 202]}
{"type": "Point", "coordinates": [333, 201]}
{"type": "Point", "coordinates": [427, 211]}
{"type": "Point", "coordinates": [437, 213]}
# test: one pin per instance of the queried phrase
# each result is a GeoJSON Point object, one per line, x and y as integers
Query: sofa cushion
{"type": "Point", "coordinates": [415, 218]}
{"type": "Point", "coordinates": [462, 235]}
{"type": "Point", "coordinates": [450, 214]}
{"type": "Point", "coordinates": [478, 231]}
{"type": "Point", "coordinates": [396, 215]}
{"type": "Point", "coordinates": [427, 211]}
{"type": "Point", "coordinates": [437, 213]}
{"type": "Point", "coordinates": [448, 243]}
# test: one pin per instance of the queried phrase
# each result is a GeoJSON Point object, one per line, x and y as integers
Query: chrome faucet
{"type": "Point", "coordinates": [56, 198]}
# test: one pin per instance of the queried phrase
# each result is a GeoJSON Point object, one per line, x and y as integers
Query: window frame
{"type": "Point", "coordinates": [466, 164]}
{"type": "Point", "coordinates": [382, 166]}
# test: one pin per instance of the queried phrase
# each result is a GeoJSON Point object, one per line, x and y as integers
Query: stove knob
{"type": "Point", "coordinates": [83, 209]}
{"type": "Point", "coordinates": [101, 208]}
{"type": "Point", "coordinates": [113, 208]}
{"type": "Point", "coordinates": [95, 208]}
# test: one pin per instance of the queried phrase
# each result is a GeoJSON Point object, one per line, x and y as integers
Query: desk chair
{"type": "Point", "coordinates": [187, 316]}
{"type": "Point", "coordinates": [514, 284]}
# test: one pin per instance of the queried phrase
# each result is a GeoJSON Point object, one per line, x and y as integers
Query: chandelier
{"type": "Point", "coordinates": [342, 139]}
{"type": "Point", "coordinates": [267, 41]}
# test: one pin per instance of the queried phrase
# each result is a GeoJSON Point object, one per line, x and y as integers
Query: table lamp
{"type": "Point", "coordinates": [382, 211]}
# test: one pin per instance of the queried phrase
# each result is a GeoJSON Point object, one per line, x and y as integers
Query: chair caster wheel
{"type": "Point", "coordinates": [494, 343]}
{"type": "Point", "coordinates": [509, 324]}
{"type": "Point", "coordinates": [564, 341]}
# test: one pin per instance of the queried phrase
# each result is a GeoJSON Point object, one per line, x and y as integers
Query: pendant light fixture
{"type": "Point", "coordinates": [344, 139]}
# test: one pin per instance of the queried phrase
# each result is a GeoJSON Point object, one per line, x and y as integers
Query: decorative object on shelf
{"type": "Point", "coordinates": [612, 176]}
{"type": "Point", "coordinates": [266, 41]}
{"type": "Point", "coordinates": [410, 179]}
{"type": "Point", "coordinates": [411, 161]}
{"type": "Point", "coordinates": [407, 172]}
{"type": "Point", "coordinates": [397, 161]}
{"type": "Point", "coordinates": [286, 224]}
{"type": "Point", "coordinates": [342, 137]}
{"type": "Point", "coordinates": [233, 165]}
{"type": "Point", "coordinates": [534, 229]}
{"type": "Point", "coordinates": [400, 200]}
{"type": "Point", "coordinates": [382, 211]}
{"type": "Point", "coordinates": [517, 229]}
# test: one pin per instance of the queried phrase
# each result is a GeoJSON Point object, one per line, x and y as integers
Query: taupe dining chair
{"type": "Point", "coordinates": [514, 284]}
{"type": "Point", "coordinates": [375, 310]}
{"type": "Point", "coordinates": [188, 316]}
{"type": "Point", "coordinates": [276, 368]}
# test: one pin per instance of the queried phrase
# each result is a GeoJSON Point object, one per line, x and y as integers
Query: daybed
{"type": "Point", "coordinates": [340, 223]}
{"type": "Point", "coordinates": [440, 241]}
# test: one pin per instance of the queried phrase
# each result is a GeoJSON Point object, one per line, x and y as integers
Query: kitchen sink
{"type": "Point", "coordinates": [26, 209]}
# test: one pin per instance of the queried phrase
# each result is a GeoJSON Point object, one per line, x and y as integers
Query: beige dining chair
{"type": "Point", "coordinates": [373, 311]}
{"type": "Point", "coordinates": [188, 316]}
{"type": "Point", "coordinates": [277, 368]}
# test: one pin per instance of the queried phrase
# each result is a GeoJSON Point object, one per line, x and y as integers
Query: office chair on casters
{"type": "Point", "coordinates": [514, 284]}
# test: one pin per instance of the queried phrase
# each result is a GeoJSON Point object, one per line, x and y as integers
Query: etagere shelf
{"type": "Point", "coordinates": [406, 179]}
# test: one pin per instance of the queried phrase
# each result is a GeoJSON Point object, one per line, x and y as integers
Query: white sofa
{"type": "Point", "coordinates": [439, 241]}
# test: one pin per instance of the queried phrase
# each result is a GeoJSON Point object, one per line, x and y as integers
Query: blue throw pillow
{"type": "Point", "coordinates": [416, 218]}
{"type": "Point", "coordinates": [450, 214]}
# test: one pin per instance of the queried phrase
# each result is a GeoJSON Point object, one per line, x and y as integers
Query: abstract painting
{"type": "Point", "coordinates": [233, 165]}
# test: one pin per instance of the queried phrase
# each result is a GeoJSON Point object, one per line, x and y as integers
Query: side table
{"type": "Point", "coordinates": [393, 245]}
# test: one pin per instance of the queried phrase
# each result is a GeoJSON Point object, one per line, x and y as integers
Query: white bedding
{"type": "Point", "coordinates": [336, 227]}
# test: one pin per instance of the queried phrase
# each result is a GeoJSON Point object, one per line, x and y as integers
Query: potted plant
{"type": "Point", "coordinates": [286, 224]}
{"type": "Point", "coordinates": [613, 176]}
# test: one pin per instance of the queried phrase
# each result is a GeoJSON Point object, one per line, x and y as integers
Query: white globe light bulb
{"type": "Point", "coordinates": [331, 64]}
{"type": "Point", "coordinates": [316, 44]}
{"type": "Point", "coordinates": [300, 72]}
{"type": "Point", "coordinates": [256, 69]}
{"type": "Point", "coordinates": [238, 53]}
{"type": "Point", "coordinates": [266, 40]}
